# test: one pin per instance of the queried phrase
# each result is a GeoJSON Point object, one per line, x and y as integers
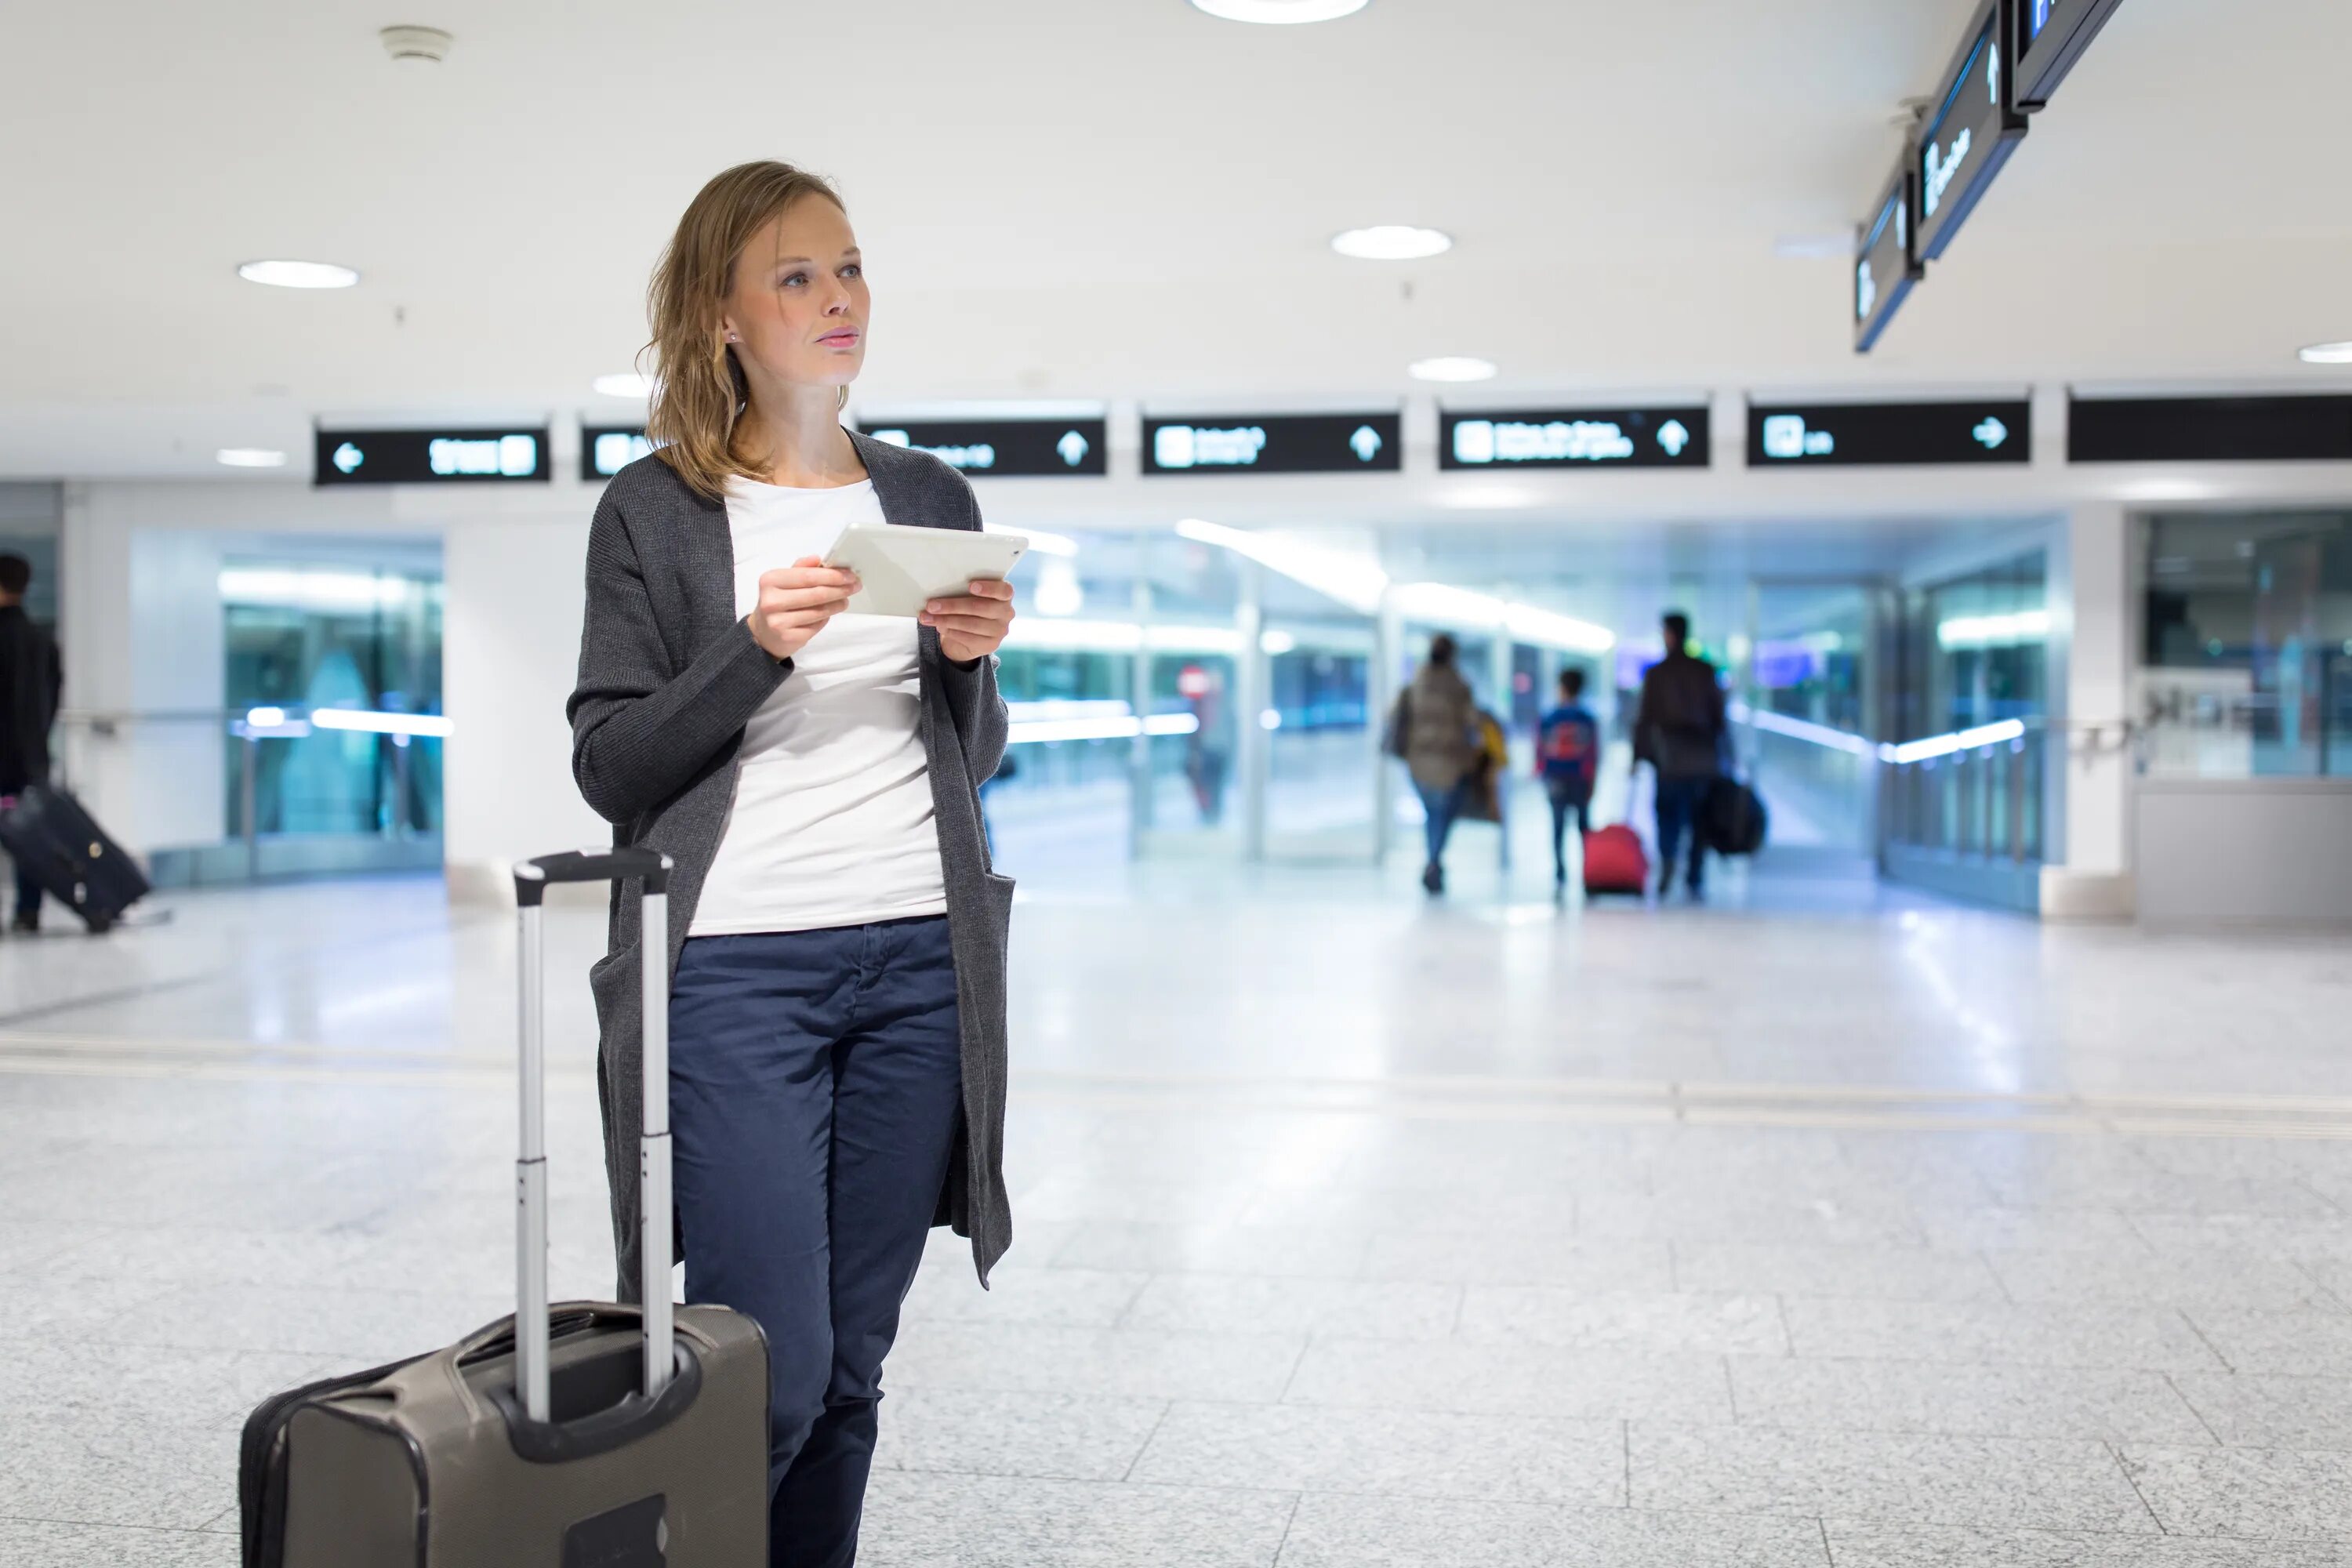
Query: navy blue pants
{"type": "Point", "coordinates": [1680, 800]}
{"type": "Point", "coordinates": [814, 1082]}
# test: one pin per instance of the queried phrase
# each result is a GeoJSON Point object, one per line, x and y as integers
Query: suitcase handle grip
{"type": "Point", "coordinates": [614, 865]}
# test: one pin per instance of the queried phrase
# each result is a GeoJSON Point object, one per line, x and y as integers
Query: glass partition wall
{"type": "Point", "coordinates": [2246, 663]}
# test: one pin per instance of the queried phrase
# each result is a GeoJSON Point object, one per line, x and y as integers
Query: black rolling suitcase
{"type": "Point", "coordinates": [46, 830]}
{"type": "Point", "coordinates": [611, 1436]}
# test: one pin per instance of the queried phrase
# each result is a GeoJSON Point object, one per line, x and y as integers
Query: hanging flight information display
{"type": "Point", "coordinates": [2309, 428]}
{"type": "Point", "coordinates": [1865, 433]}
{"type": "Point", "coordinates": [2051, 36]}
{"type": "Point", "coordinates": [1030, 448]}
{"type": "Point", "coordinates": [1575, 438]}
{"type": "Point", "coordinates": [1275, 444]}
{"type": "Point", "coordinates": [1885, 266]}
{"type": "Point", "coordinates": [1970, 131]}
{"type": "Point", "coordinates": [606, 449]}
{"type": "Point", "coordinates": [429, 457]}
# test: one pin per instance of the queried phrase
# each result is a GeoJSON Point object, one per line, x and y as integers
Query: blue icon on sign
{"type": "Point", "coordinates": [1674, 437]}
{"type": "Point", "coordinates": [348, 457]}
{"type": "Point", "coordinates": [1073, 448]}
{"type": "Point", "coordinates": [1991, 433]}
{"type": "Point", "coordinates": [1365, 443]}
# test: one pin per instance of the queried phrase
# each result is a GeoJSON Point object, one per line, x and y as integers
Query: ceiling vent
{"type": "Point", "coordinates": [416, 46]}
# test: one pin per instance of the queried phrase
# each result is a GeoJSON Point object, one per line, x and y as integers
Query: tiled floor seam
{"type": "Point", "coordinates": [2191, 1405]}
{"type": "Point", "coordinates": [2206, 1340]}
{"type": "Point", "coordinates": [1144, 1446]}
{"type": "Point", "coordinates": [2125, 1470]}
{"type": "Point", "coordinates": [1296, 1501]}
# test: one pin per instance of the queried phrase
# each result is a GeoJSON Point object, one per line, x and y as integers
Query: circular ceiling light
{"type": "Point", "coordinates": [299, 274]}
{"type": "Point", "coordinates": [1452, 367]}
{"type": "Point", "coordinates": [249, 458]}
{"type": "Point", "coordinates": [1392, 242]}
{"type": "Point", "coordinates": [2325, 353]}
{"type": "Point", "coordinates": [1280, 11]}
{"type": "Point", "coordinates": [627, 384]}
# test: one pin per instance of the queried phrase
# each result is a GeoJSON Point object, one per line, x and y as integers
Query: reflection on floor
{"type": "Point", "coordinates": [1353, 1229]}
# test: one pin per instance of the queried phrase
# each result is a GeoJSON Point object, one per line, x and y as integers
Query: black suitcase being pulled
{"type": "Point", "coordinates": [46, 831]}
{"type": "Point", "coordinates": [609, 1436]}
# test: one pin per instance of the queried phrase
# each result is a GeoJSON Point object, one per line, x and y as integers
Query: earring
{"type": "Point", "coordinates": [733, 338]}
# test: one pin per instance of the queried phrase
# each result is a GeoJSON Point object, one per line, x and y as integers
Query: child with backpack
{"type": "Point", "coordinates": [1567, 759]}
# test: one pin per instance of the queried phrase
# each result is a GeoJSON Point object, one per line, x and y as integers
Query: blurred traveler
{"type": "Point", "coordinates": [32, 678]}
{"type": "Point", "coordinates": [1435, 728]}
{"type": "Point", "coordinates": [1678, 730]}
{"type": "Point", "coordinates": [1568, 759]}
{"type": "Point", "coordinates": [837, 1017]}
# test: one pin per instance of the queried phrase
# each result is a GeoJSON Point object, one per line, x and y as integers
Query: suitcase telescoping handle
{"type": "Point", "coordinates": [532, 879]}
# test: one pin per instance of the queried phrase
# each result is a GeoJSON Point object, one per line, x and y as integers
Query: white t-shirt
{"type": "Point", "coordinates": [832, 822]}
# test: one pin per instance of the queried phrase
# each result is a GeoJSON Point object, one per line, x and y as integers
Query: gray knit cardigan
{"type": "Point", "coordinates": [668, 677]}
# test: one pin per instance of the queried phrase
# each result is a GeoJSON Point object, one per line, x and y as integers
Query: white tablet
{"type": "Point", "coordinates": [903, 569]}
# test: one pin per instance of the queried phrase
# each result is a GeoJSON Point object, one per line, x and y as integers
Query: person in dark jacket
{"type": "Point", "coordinates": [32, 679]}
{"type": "Point", "coordinates": [1678, 730]}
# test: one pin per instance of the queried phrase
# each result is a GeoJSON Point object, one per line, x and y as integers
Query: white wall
{"type": "Point", "coordinates": [2093, 625]}
{"type": "Point", "coordinates": [510, 640]}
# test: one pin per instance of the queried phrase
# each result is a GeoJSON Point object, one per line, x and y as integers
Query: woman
{"type": "Point", "coordinates": [1437, 736]}
{"type": "Point", "coordinates": [837, 1006]}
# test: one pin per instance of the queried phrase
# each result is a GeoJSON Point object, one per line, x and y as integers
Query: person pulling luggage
{"type": "Point", "coordinates": [1678, 730]}
{"type": "Point", "coordinates": [32, 682]}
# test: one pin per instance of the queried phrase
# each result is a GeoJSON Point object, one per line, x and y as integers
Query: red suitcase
{"type": "Point", "coordinates": [1616, 862]}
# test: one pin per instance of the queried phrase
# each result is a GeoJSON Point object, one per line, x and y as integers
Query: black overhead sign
{"type": "Point", "coordinates": [491, 455]}
{"type": "Point", "coordinates": [606, 449]}
{"type": "Point", "coordinates": [1791, 435]}
{"type": "Point", "coordinates": [1275, 444]}
{"type": "Point", "coordinates": [1574, 439]}
{"type": "Point", "coordinates": [1970, 131]}
{"type": "Point", "coordinates": [1031, 448]}
{"type": "Point", "coordinates": [2210, 429]}
{"type": "Point", "coordinates": [1885, 264]}
{"type": "Point", "coordinates": [2051, 36]}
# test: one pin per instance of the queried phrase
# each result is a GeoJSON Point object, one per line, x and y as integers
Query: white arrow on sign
{"type": "Point", "coordinates": [1072, 447]}
{"type": "Point", "coordinates": [348, 457]}
{"type": "Point", "coordinates": [1674, 437]}
{"type": "Point", "coordinates": [1366, 442]}
{"type": "Point", "coordinates": [1992, 433]}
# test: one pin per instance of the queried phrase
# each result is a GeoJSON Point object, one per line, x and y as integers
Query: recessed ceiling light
{"type": "Point", "coordinates": [1280, 11]}
{"type": "Point", "coordinates": [627, 384]}
{"type": "Point", "coordinates": [249, 458]}
{"type": "Point", "coordinates": [299, 274]}
{"type": "Point", "coordinates": [1392, 242]}
{"type": "Point", "coordinates": [2325, 353]}
{"type": "Point", "coordinates": [1452, 367]}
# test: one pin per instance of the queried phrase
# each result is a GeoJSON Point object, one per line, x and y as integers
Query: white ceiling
{"type": "Point", "coordinates": [1073, 198]}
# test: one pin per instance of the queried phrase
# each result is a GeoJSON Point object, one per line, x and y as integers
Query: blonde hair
{"type": "Point", "coordinates": [701, 393]}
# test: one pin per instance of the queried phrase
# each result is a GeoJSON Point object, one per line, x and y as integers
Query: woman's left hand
{"type": "Point", "coordinates": [973, 626]}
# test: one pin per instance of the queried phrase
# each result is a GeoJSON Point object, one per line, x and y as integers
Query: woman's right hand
{"type": "Point", "coordinates": [795, 603]}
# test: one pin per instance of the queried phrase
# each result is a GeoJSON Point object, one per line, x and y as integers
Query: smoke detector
{"type": "Point", "coordinates": [416, 46]}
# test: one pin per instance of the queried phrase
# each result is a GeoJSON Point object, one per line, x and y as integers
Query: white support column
{"type": "Point", "coordinates": [1380, 686]}
{"type": "Point", "coordinates": [1138, 762]}
{"type": "Point", "coordinates": [1251, 699]}
{"type": "Point", "coordinates": [2087, 868]}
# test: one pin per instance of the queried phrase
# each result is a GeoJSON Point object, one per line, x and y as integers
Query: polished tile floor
{"type": "Point", "coordinates": [1820, 1226]}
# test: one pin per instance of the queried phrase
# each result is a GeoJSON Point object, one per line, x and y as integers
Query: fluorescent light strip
{"type": "Point", "coordinates": [1355, 582]}
{"type": "Point", "coordinates": [1985, 631]}
{"type": "Point", "coordinates": [1036, 730]}
{"type": "Point", "coordinates": [1959, 741]}
{"type": "Point", "coordinates": [1448, 605]}
{"type": "Point", "coordinates": [1063, 635]}
{"type": "Point", "coordinates": [1801, 730]}
{"type": "Point", "coordinates": [377, 723]}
